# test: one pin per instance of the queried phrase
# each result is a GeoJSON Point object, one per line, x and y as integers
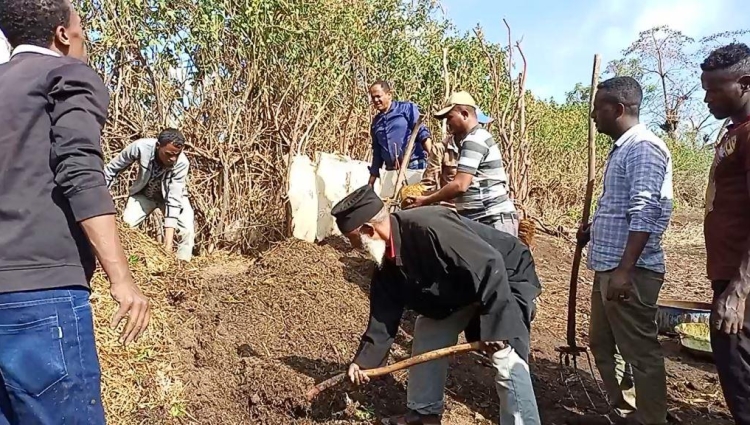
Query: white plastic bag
{"type": "Point", "coordinates": [332, 172]}
{"type": "Point", "coordinates": [303, 198]}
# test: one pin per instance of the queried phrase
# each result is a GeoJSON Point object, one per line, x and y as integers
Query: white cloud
{"type": "Point", "coordinates": [695, 18]}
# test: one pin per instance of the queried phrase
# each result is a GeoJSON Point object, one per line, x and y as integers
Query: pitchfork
{"type": "Point", "coordinates": [569, 354]}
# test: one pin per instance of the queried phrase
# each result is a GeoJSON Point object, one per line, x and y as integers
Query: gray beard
{"type": "Point", "coordinates": [375, 248]}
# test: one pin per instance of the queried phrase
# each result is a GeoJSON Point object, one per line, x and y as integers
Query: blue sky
{"type": "Point", "coordinates": [560, 38]}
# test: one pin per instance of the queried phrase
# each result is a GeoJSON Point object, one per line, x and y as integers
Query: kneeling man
{"type": "Point", "coordinates": [459, 275]}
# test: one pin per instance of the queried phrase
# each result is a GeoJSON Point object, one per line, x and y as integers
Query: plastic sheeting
{"type": "Point", "coordinates": [4, 49]}
{"type": "Point", "coordinates": [316, 186]}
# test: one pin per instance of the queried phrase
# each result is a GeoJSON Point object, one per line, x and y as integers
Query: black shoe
{"type": "Point", "coordinates": [413, 418]}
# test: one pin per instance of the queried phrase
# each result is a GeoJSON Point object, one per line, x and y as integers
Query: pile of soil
{"type": "Point", "coordinates": [252, 335]}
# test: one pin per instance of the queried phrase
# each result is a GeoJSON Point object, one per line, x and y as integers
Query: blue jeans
{"type": "Point", "coordinates": [49, 369]}
{"type": "Point", "coordinates": [417, 164]}
{"type": "Point", "coordinates": [414, 164]}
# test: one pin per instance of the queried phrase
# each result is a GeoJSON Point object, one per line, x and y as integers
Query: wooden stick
{"type": "Point", "coordinates": [571, 334]}
{"type": "Point", "coordinates": [407, 156]}
{"type": "Point", "coordinates": [404, 364]}
{"type": "Point", "coordinates": [446, 77]}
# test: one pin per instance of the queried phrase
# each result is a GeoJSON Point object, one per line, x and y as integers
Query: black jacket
{"type": "Point", "coordinates": [52, 110]}
{"type": "Point", "coordinates": [444, 263]}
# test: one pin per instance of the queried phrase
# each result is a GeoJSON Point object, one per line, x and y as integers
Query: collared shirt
{"type": "Point", "coordinates": [441, 165]}
{"type": "Point", "coordinates": [637, 197]}
{"type": "Point", "coordinates": [459, 263]}
{"type": "Point", "coordinates": [487, 198]}
{"type": "Point", "coordinates": [175, 179]}
{"type": "Point", "coordinates": [727, 223]}
{"type": "Point", "coordinates": [4, 49]}
{"type": "Point", "coordinates": [390, 133]}
{"type": "Point", "coordinates": [153, 189]}
{"type": "Point", "coordinates": [28, 48]}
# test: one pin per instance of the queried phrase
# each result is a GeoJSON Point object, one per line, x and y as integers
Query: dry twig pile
{"type": "Point", "coordinates": [143, 380]}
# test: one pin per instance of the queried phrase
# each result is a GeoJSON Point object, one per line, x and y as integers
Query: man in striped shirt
{"type": "Point", "coordinates": [480, 187]}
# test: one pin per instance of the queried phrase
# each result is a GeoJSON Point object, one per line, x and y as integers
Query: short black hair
{"type": "Point", "coordinates": [625, 90]}
{"type": "Point", "coordinates": [734, 57]}
{"type": "Point", "coordinates": [382, 83]}
{"type": "Point", "coordinates": [33, 21]}
{"type": "Point", "coordinates": [171, 136]}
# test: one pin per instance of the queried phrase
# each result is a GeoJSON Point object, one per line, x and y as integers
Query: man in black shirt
{"type": "Point", "coordinates": [56, 216]}
{"type": "Point", "coordinates": [459, 275]}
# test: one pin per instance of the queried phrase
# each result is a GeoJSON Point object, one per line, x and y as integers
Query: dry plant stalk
{"type": "Point", "coordinates": [511, 117]}
{"type": "Point", "coordinates": [527, 231]}
{"type": "Point", "coordinates": [243, 121]}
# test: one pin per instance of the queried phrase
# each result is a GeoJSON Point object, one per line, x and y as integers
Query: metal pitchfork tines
{"type": "Point", "coordinates": [570, 354]}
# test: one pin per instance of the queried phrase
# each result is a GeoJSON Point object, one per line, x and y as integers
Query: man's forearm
{"type": "Point", "coordinates": [427, 145]}
{"type": "Point", "coordinates": [446, 193]}
{"type": "Point", "coordinates": [741, 285]}
{"type": "Point", "coordinates": [168, 237]}
{"type": "Point", "coordinates": [101, 232]}
{"type": "Point", "coordinates": [633, 249]}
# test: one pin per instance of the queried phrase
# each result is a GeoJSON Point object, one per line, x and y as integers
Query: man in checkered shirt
{"type": "Point", "coordinates": [627, 257]}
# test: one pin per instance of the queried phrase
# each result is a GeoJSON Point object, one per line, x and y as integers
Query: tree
{"type": "Point", "coordinates": [663, 61]}
{"type": "Point", "coordinates": [579, 95]}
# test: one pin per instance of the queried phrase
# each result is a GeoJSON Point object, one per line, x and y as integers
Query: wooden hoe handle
{"type": "Point", "coordinates": [404, 364]}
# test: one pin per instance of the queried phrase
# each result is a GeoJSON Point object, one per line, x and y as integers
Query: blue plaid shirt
{"type": "Point", "coordinates": [637, 197]}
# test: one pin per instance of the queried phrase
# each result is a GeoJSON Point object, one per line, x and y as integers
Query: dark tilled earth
{"type": "Point", "coordinates": [256, 334]}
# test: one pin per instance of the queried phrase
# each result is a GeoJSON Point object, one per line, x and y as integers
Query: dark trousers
{"type": "Point", "coordinates": [625, 344]}
{"type": "Point", "coordinates": [732, 358]}
{"type": "Point", "coordinates": [49, 370]}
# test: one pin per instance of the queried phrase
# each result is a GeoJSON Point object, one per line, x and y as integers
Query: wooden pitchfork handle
{"type": "Point", "coordinates": [572, 295]}
{"type": "Point", "coordinates": [404, 364]}
{"type": "Point", "coordinates": [407, 157]}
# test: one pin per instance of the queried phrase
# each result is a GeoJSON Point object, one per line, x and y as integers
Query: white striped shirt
{"type": "Point", "coordinates": [487, 197]}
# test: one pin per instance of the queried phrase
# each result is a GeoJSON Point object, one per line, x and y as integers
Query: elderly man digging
{"type": "Point", "coordinates": [160, 183]}
{"type": "Point", "coordinates": [459, 275]}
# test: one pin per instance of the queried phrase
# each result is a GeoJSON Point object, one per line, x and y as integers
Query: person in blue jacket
{"type": "Point", "coordinates": [390, 131]}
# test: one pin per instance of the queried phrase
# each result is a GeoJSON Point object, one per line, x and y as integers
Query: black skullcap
{"type": "Point", "coordinates": [357, 208]}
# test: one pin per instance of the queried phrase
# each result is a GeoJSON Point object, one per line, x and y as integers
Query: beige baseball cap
{"type": "Point", "coordinates": [458, 98]}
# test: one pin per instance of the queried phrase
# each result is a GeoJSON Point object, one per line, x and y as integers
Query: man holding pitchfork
{"type": "Point", "coordinates": [627, 257]}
